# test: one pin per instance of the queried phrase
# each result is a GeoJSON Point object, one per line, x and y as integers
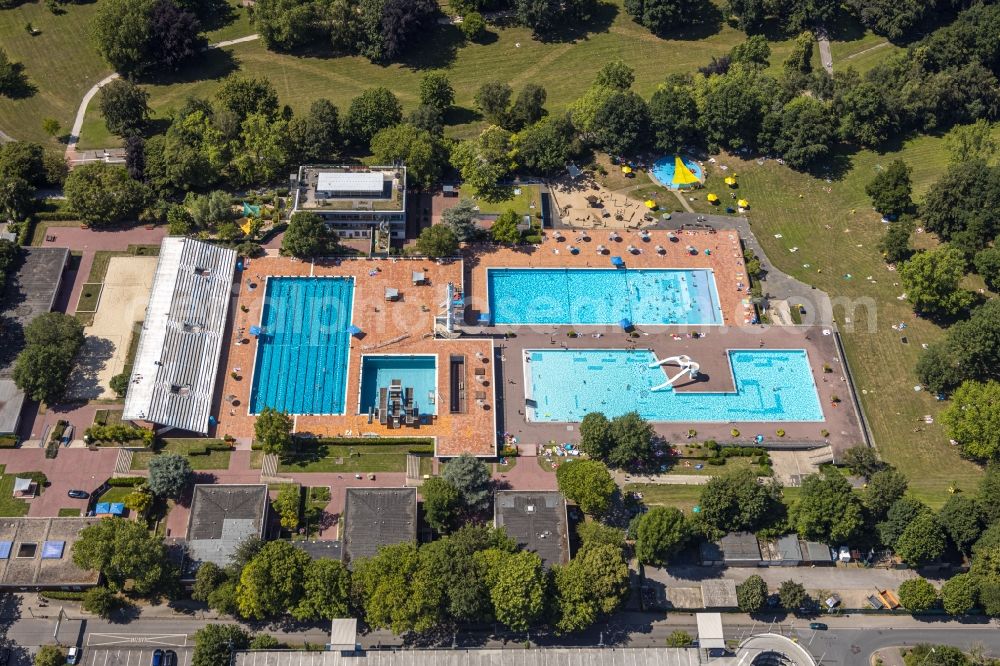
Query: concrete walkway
{"type": "Point", "coordinates": [81, 112]}
{"type": "Point", "coordinates": [825, 55]}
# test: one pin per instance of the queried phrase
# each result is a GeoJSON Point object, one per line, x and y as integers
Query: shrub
{"type": "Point", "coordinates": [125, 481]}
{"type": "Point", "coordinates": [119, 433]}
{"type": "Point", "coordinates": [780, 432]}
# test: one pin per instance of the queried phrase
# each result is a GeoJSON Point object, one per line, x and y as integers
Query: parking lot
{"type": "Point", "coordinates": [129, 656]}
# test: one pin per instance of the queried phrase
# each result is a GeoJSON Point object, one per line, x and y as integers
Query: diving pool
{"type": "Point", "coordinates": [416, 372]}
{"type": "Point", "coordinates": [599, 296]}
{"type": "Point", "coordinates": [565, 385]}
{"type": "Point", "coordinates": [302, 351]}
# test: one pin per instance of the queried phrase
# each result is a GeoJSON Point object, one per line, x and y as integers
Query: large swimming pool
{"type": "Point", "coordinates": [581, 296]}
{"type": "Point", "coordinates": [565, 385]}
{"type": "Point", "coordinates": [302, 351]}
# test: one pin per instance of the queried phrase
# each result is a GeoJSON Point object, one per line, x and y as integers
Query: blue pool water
{"type": "Point", "coordinates": [418, 372]}
{"type": "Point", "coordinates": [302, 352]}
{"type": "Point", "coordinates": [771, 385]}
{"type": "Point", "coordinates": [578, 296]}
{"type": "Point", "coordinates": [663, 169]}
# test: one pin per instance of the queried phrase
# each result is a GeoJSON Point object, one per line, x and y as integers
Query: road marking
{"type": "Point", "coordinates": [108, 640]}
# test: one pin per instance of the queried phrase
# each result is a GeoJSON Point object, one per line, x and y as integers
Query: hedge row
{"type": "Point", "coordinates": [119, 433]}
{"type": "Point", "coordinates": [8, 441]}
{"type": "Point", "coordinates": [208, 448]}
{"type": "Point", "coordinates": [64, 215]}
{"type": "Point", "coordinates": [126, 481]}
{"type": "Point", "coordinates": [62, 595]}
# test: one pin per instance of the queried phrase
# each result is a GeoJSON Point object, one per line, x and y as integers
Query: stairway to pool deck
{"type": "Point", "coordinates": [123, 463]}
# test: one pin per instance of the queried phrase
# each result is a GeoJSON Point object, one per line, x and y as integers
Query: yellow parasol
{"type": "Point", "coordinates": [730, 181]}
{"type": "Point", "coordinates": [245, 226]}
{"type": "Point", "coordinates": [650, 204]}
{"type": "Point", "coordinates": [743, 203]}
{"type": "Point", "coordinates": [626, 169]}
{"type": "Point", "coordinates": [712, 198]}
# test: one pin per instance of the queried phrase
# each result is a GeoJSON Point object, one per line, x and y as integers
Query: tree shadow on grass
{"type": "Point", "coordinates": [602, 15]}
{"type": "Point", "coordinates": [707, 22]}
{"type": "Point", "coordinates": [206, 66]}
{"type": "Point", "coordinates": [216, 14]}
{"type": "Point", "coordinates": [19, 86]}
{"type": "Point", "coordinates": [460, 115]}
{"type": "Point", "coordinates": [437, 50]}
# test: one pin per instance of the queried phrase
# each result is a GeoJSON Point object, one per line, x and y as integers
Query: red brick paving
{"type": "Point", "coordinates": [72, 468]}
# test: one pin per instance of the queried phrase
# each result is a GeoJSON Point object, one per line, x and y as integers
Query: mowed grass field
{"type": "Point", "coordinates": [564, 68]}
{"type": "Point", "coordinates": [60, 62]}
{"type": "Point", "coordinates": [836, 232]}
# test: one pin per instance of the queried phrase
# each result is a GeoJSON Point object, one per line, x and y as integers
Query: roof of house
{"type": "Point", "coordinates": [710, 634]}
{"type": "Point", "coordinates": [375, 517]}
{"type": "Point", "coordinates": [221, 517]}
{"type": "Point", "coordinates": [740, 547]}
{"type": "Point", "coordinates": [537, 521]}
{"type": "Point", "coordinates": [355, 181]}
{"type": "Point", "coordinates": [816, 552]}
{"type": "Point", "coordinates": [475, 657]}
{"type": "Point", "coordinates": [30, 292]}
{"type": "Point", "coordinates": [173, 378]}
{"type": "Point", "coordinates": [35, 553]}
{"type": "Point", "coordinates": [718, 593]}
{"type": "Point", "coordinates": [787, 548]}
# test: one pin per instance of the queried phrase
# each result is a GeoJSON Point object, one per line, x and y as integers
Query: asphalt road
{"type": "Point", "coordinates": [848, 641]}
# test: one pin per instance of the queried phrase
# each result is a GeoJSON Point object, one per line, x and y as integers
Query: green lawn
{"type": "Point", "coordinates": [60, 62]}
{"type": "Point", "coordinates": [521, 200]}
{"type": "Point", "coordinates": [214, 460]}
{"type": "Point", "coordinates": [564, 68]}
{"type": "Point", "coordinates": [66, 512]}
{"type": "Point", "coordinates": [89, 297]}
{"type": "Point", "coordinates": [686, 497]}
{"type": "Point", "coordinates": [116, 494]}
{"type": "Point", "coordinates": [836, 233]}
{"type": "Point", "coordinates": [9, 506]}
{"type": "Point", "coordinates": [325, 457]}
{"type": "Point", "coordinates": [713, 470]}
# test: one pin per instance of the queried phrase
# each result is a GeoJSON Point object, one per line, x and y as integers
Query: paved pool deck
{"type": "Point", "coordinates": [401, 327]}
{"type": "Point", "coordinates": [725, 261]}
{"type": "Point", "coordinates": [710, 350]}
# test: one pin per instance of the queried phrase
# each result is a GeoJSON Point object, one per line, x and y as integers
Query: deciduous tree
{"type": "Point", "coordinates": [882, 491]}
{"type": "Point", "coordinates": [959, 594]}
{"type": "Point", "coordinates": [244, 96]}
{"type": "Point", "coordinates": [660, 533]}
{"type": "Point", "coordinates": [423, 153]}
{"type": "Point", "coordinates": [891, 190]}
{"type": "Point", "coordinates": [272, 582]}
{"type": "Point", "coordinates": [931, 280]}
{"type": "Point", "coordinates": [588, 483]}
{"type": "Point", "coordinates": [273, 430]}
{"type": "Point", "coordinates": [962, 520]}
{"type": "Point", "coordinates": [903, 512]}
{"type": "Point", "coordinates": [372, 110]}
{"type": "Point", "coordinates": [735, 501]}
{"type": "Point", "coordinates": [792, 595]}
{"type": "Point", "coordinates": [493, 99]}
{"type": "Point", "coordinates": [827, 510]}
{"type": "Point", "coordinates": [517, 585]}
{"type": "Point", "coordinates": [486, 161]}
{"type": "Point", "coordinates": [308, 236]}
{"type": "Point", "coordinates": [751, 594]}
{"type": "Point", "coordinates": [124, 107]}
{"type": "Point", "coordinates": [973, 419]}
{"type": "Point", "coordinates": [923, 540]}
{"type": "Point", "coordinates": [123, 551]}
{"type": "Point", "coordinates": [442, 503]}
{"type": "Point", "coordinates": [437, 241]}
{"type": "Point", "coordinates": [436, 90]}
{"type": "Point", "coordinates": [505, 228]}
{"type": "Point", "coordinates": [595, 435]}
{"type": "Point", "coordinates": [621, 123]}
{"type": "Point", "coordinates": [214, 644]}
{"type": "Point", "coordinates": [326, 591]}
{"type": "Point", "coordinates": [315, 136]}
{"type": "Point", "coordinates": [917, 595]}
{"type": "Point", "coordinates": [104, 195]}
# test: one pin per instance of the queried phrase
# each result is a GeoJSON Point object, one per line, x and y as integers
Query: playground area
{"type": "Point", "coordinates": [121, 302]}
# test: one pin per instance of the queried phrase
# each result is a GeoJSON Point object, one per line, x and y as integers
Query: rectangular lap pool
{"type": "Point", "coordinates": [582, 296]}
{"type": "Point", "coordinates": [565, 385]}
{"type": "Point", "coordinates": [413, 372]}
{"type": "Point", "coordinates": [302, 351]}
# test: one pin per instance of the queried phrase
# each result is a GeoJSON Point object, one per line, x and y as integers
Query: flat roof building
{"type": "Point", "coordinates": [538, 656]}
{"type": "Point", "coordinates": [36, 554]}
{"type": "Point", "coordinates": [30, 292]}
{"type": "Point", "coordinates": [736, 549]}
{"type": "Point", "coordinates": [173, 377]}
{"type": "Point", "coordinates": [537, 521]}
{"type": "Point", "coordinates": [375, 517]}
{"type": "Point", "coordinates": [354, 200]}
{"type": "Point", "coordinates": [222, 516]}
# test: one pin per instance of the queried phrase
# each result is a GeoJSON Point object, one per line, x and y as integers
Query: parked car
{"type": "Point", "coordinates": [67, 436]}
{"type": "Point", "coordinates": [73, 655]}
{"type": "Point", "coordinates": [157, 657]}
{"type": "Point", "coordinates": [817, 626]}
{"type": "Point", "coordinates": [78, 494]}
{"type": "Point", "coordinates": [169, 658]}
